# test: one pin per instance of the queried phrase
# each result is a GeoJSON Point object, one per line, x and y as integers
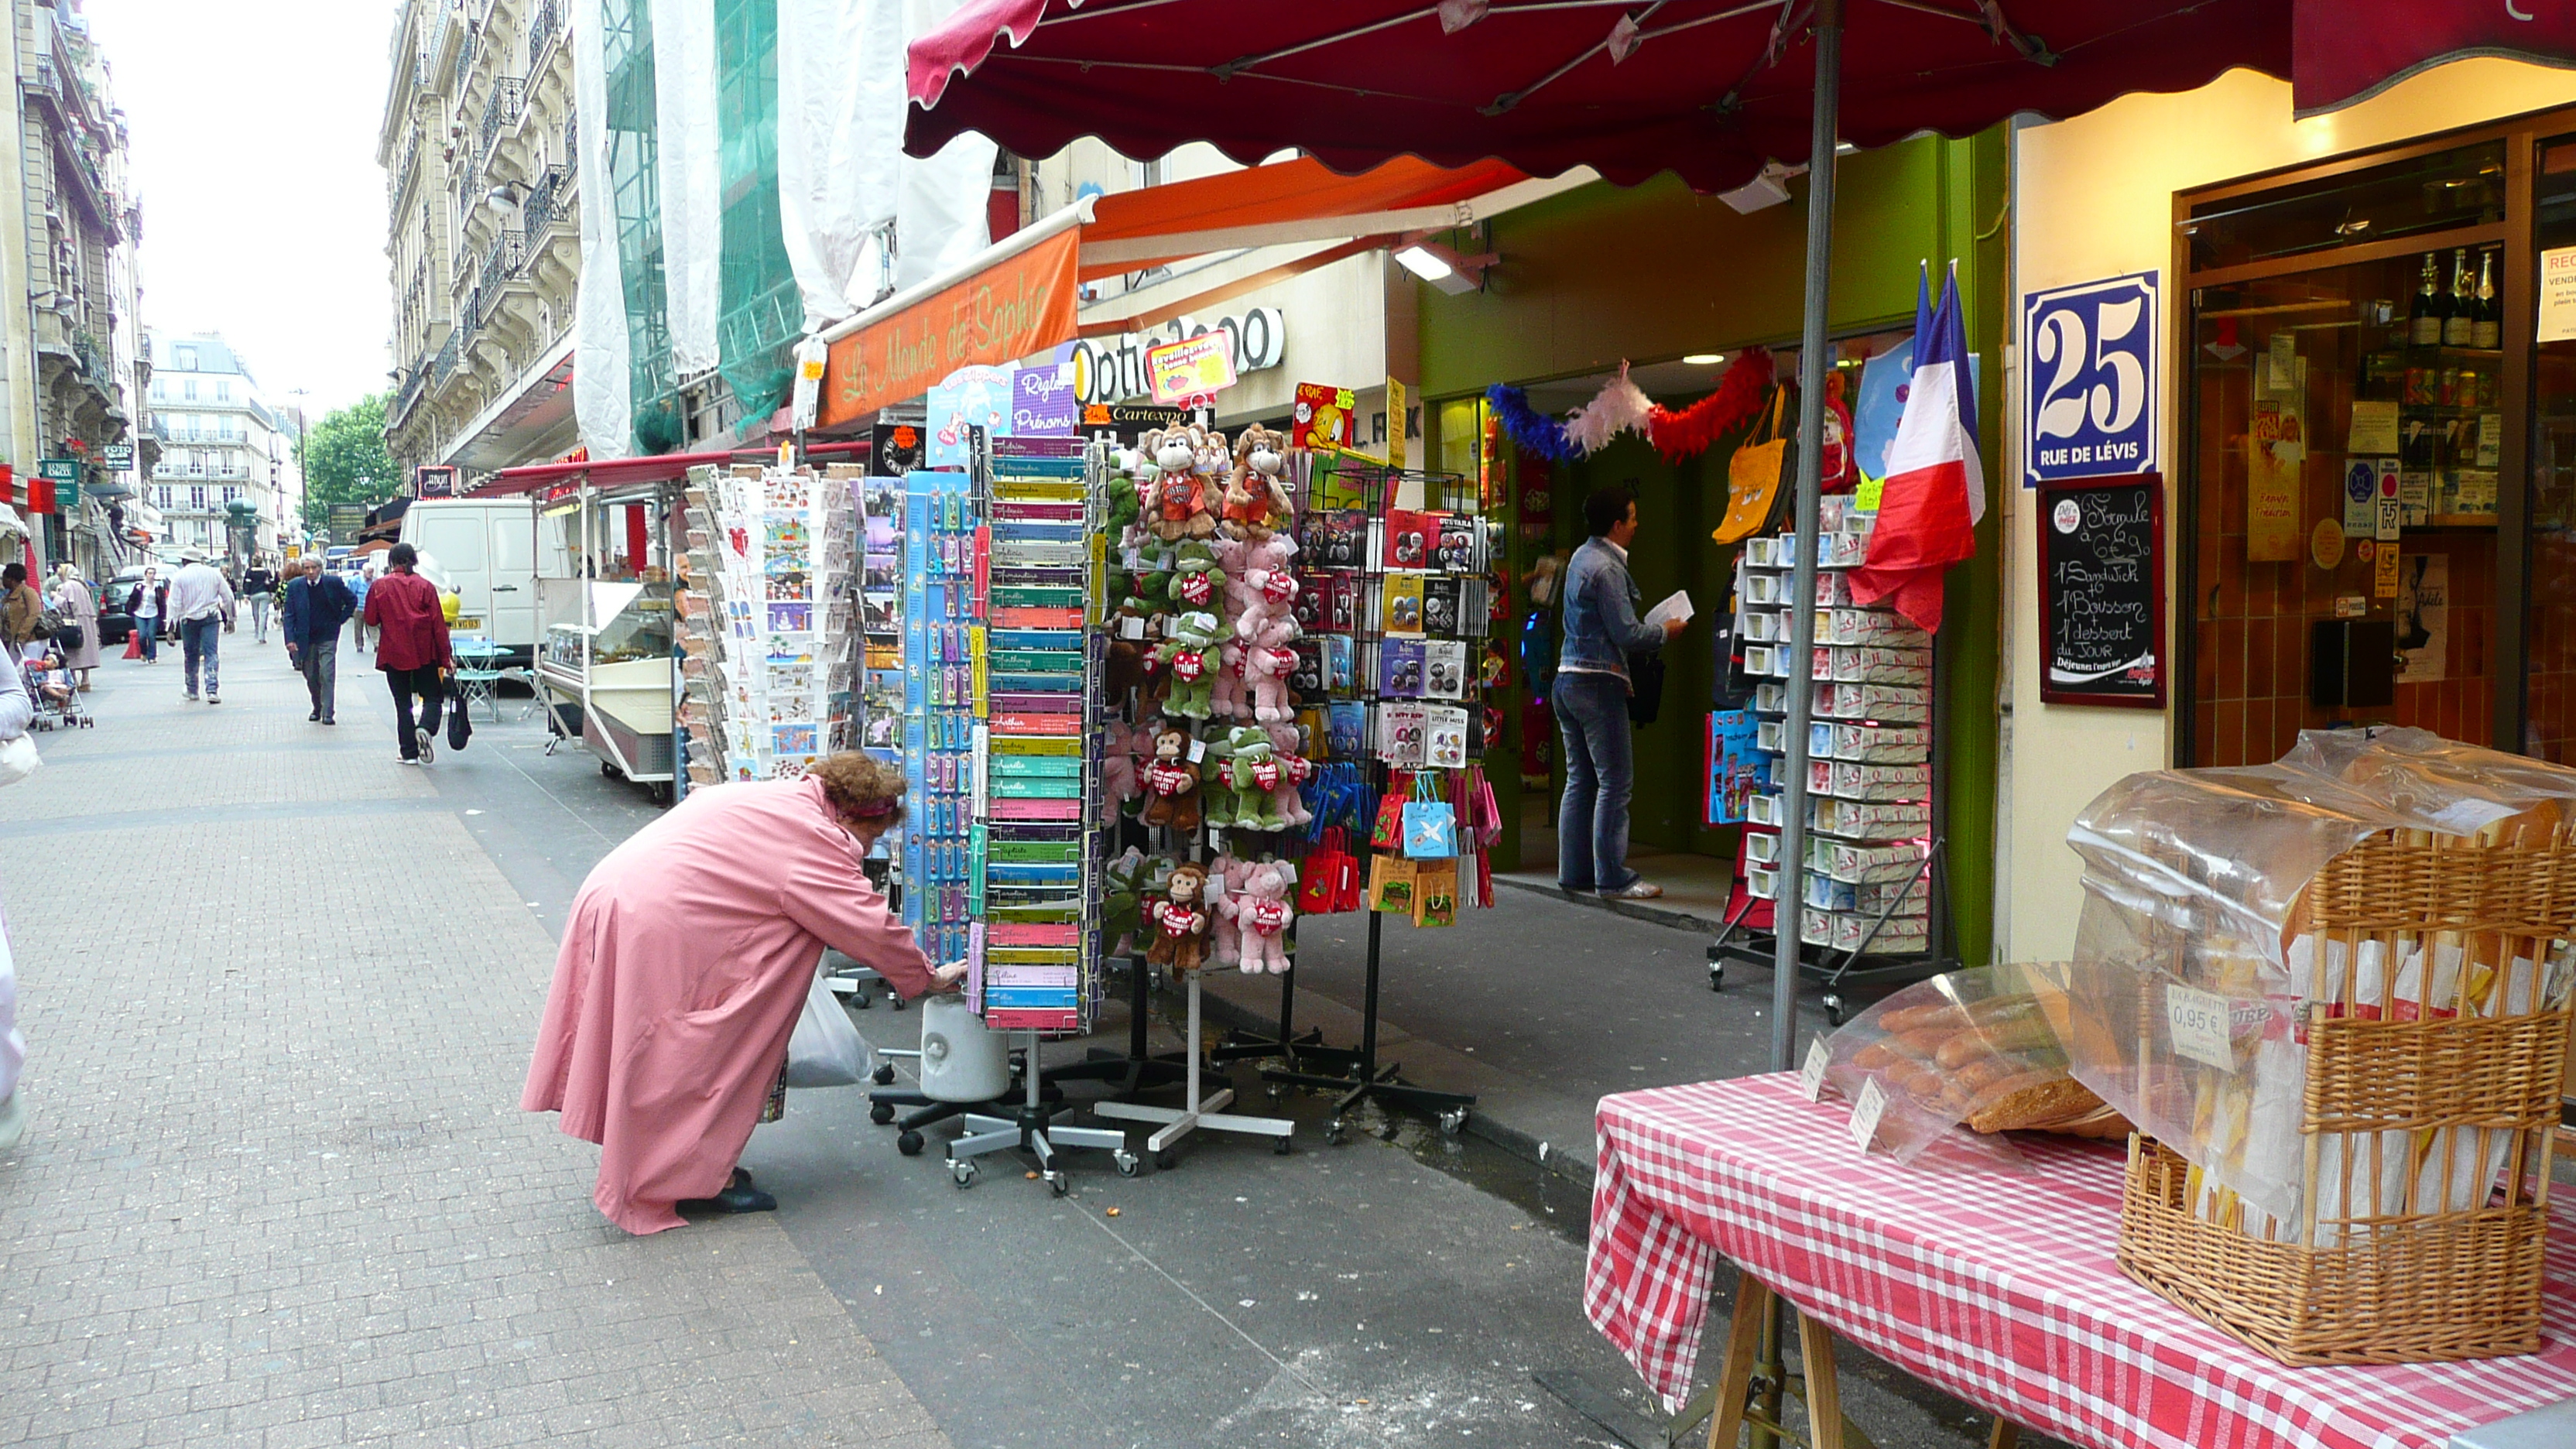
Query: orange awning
{"type": "Point", "coordinates": [1018, 297]}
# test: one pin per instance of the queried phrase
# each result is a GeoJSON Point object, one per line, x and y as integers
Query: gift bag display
{"type": "Point", "coordinates": [1754, 476]}
{"type": "Point", "coordinates": [1430, 825]}
{"type": "Point", "coordinates": [1389, 833]}
{"type": "Point", "coordinates": [1328, 879]}
{"type": "Point", "coordinates": [1390, 887]}
{"type": "Point", "coordinates": [1435, 893]}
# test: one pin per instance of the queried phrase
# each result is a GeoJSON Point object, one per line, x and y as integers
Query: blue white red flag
{"type": "Point", "coordinates": [1936, 487]}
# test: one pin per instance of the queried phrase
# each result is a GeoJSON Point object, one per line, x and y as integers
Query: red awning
{"type": "Point", "coordinates": [2341, 55]}
{"type": "Point", "coordinates": [1710, 89]}
{"type": "Point", "coordinates": [1017, 297]}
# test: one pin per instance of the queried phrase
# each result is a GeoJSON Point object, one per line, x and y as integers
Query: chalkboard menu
{"type": "Point", "coordinates": [2102, 591]}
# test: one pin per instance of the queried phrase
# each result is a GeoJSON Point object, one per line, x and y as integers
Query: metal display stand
{"type": "Point", "coordinates": [1032, 1125]}
{"type": "Point", "coordinates": [1195, 1112]}
{"type": "Point", "coordinates": [1366, 1079]}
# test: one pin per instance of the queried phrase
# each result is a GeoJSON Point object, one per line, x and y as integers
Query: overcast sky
{"type": "Point", "coordinates": [254, 156]}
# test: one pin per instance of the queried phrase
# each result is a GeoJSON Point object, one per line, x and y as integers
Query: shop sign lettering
{"type": "Point", "coordinates": [1020, 305]}
{"type": "Point", "coordinates": [1113, 369]}
{"type": "Point", "coordinates": [2090, 365]}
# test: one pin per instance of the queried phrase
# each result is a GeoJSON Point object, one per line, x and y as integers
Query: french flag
{"type": "Point", "coordinates": [1936, 489]}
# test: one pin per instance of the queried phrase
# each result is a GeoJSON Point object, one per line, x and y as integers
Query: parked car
{"type": "Point", "coordinates": [114, 624]}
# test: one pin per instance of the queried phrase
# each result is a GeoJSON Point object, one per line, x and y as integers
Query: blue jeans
{"type": "Point", "coordinates": [197, 641]}
{"type": "Point", "coordinates": [149, 626]}
{"type": "Point", "coordinates": [1600, 773]}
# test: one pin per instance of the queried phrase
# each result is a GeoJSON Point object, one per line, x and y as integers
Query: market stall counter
{"type": "Point", "coordinates": [604, 671]}
{"type": "Point", "coordinates": [1995, 1285]}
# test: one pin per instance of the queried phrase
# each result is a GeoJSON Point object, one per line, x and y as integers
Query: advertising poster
{"type": "Point", "coordinates": [1322, 417]}
{"type": "Point", "coordinates": [2423, 617]}
{"type": "Point", "coordinates": [970, 397]}
{"type": "Point", "coordinates": [2276, 453]}
{"type": "Point", "coordinates": [1737, 771]}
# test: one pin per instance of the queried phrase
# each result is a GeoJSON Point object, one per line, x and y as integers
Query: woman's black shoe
{"type": "Point", "coordinates": [737, 1198]}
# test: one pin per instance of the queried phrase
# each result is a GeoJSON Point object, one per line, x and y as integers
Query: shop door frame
{"type": "Point", "coordinates": [2518, 235]}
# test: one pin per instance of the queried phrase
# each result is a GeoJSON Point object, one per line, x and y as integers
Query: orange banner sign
{"type": "Point", "coordinates": [1020, 305]}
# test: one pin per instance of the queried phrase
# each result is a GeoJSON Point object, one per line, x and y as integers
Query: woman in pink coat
{"type": "Point", "coordinates": [684, 967]}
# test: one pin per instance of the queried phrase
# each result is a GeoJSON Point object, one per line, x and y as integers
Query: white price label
{"type": "Point", "coordinates": [1866, 1112]}
{"type": "Point", "coordinates": [2196, 1022]}
{"type": "Point", "coordinates": [1198, 751]}
{"type": "Point", "coordinates": [1811, 1077]}
{"type": "Point", "coordinates": [1130, 627]}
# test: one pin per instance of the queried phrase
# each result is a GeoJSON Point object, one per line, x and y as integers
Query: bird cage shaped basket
{"type": "Point", "coordinates": [2333, 993]}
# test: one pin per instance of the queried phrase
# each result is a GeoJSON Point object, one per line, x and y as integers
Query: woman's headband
{"type": "Point", "coordinates": [872, 810]}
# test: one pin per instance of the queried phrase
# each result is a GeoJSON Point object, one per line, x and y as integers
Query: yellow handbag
{"type": "Point", "coordinates": [1754, 478]}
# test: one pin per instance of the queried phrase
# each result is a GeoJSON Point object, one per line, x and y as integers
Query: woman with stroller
{"type": "Point", "coordinates": [79, 640]}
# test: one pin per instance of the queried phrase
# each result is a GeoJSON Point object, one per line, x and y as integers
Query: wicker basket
{"type": "Point", "coordinates": [2382, 1282]}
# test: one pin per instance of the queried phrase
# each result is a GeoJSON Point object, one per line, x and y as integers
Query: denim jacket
{"type": "Point", "coordinates": [1600, 613]}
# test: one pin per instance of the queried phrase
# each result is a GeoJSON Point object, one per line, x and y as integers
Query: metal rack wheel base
{"type": "Point", "coordinates": [1366, 1080]}
{"type": "Point", "coordinates": [1031, 1126]}
{"type": "Point", "coordinates": [1196, 1112]}
{"type": "Point", "coordinates": [1302, 1051]}
{"type": "Point", "coordinates": [1139, 1068]}
{"type": "Point", "coordinates": [1861, 968]}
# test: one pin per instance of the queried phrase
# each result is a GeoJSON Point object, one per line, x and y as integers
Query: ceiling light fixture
{"type": "Point", "coordinates": [1704, 359]}
{"type": "Point", "coordinates": [1443, 267]}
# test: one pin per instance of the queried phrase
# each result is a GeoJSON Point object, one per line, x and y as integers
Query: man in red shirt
{"type": "Point", "coordinates": [411, 648]}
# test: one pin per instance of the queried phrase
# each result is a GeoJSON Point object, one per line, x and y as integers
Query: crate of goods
{"type": "Point", "coordinates": [1844, 860]}
{"type": "Point", "coordinates": [1872, 664]}
{"type": "Point", "coordinates": [1869, 819]}
{"type": "Point", "coordinates": [1905, 783]}
{"type": "Point", "coordinates": [2343, 1044]}
{"type": "Point", "coordinates": [1869, 744]}
{"type": "Point", "coordinates": [1910, 897]}
{"type": "Point", "coordinates": [1867, 935]}
{"type": "Point", "coordinates": [1868, 626]}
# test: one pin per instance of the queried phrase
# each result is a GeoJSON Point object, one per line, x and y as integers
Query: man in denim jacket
{"type": "Point", "coordinates": [1591, 702]}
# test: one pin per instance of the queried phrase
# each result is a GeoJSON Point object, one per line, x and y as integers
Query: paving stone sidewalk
{"type": "Point", "coordinates": [276, 1190]}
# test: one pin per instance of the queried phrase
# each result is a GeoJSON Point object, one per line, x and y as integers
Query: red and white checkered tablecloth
{"type": "Point", "coordinates": [1996, 1286]}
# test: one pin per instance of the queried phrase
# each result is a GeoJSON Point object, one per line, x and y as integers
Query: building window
{"type": "Point", "coordinates": [223, 390]}
{"type": "Point", "coordinates": [197, 497]}
{"type": "Point", "coordinates": [232, 494]}
{"type": "Point", "coordinates": [184, 359]}
{"type": "Point", "coordinates": [160, 390]}
{"type": "Point", "coordinates": [188, 389]}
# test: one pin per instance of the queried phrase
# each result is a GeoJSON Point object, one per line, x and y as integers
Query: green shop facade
{"type": "Point", "coordinates": [1652, 275]}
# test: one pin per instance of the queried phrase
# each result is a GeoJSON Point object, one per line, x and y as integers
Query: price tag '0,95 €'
{"type": "Point", "coordinates": [1865, 1114]}
{"type": "Point", "coordinates": [1811, 1077]}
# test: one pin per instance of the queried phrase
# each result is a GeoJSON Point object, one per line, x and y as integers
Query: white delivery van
{"type": "Point", "coordinates": [484, 550]}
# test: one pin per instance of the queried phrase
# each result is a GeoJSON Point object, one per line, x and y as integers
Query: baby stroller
{"type": "Point", "coordinates": [50, 689]}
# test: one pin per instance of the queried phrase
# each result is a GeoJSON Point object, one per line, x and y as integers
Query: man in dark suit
{"type": "Point", "coordinates": [317, 605]}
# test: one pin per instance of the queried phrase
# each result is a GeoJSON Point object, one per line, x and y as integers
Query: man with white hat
{"type": "Point", "coordinates": [199, 600]}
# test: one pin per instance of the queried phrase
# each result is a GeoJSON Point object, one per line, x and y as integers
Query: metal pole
{"type": "Point", "coordinates": [1787, 910]}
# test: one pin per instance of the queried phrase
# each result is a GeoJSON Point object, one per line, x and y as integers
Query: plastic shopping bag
{"type": "Point", "coordinates": [18, 760]}
{"type": "Point", "coordinates": [826, 1050]}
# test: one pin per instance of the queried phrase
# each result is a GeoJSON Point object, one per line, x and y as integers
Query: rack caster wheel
{"type": "Point", "coordinates": [607, 771]}
{"type": "Point", "coordinates": [909, 1144]}
{"type": "Point", "coordinates": [1126, 1160]}
{"type": "Point", "coordinates": [1165, 1159]}
{"type": "Point", "coordinates": [894, 1002]}
{"type": "Point", "coordinates": [881, 1112]}
{"type": "Point", "coordinates": [1276, 1091]}
{"type": "Point", "coordinates": [860, 1000]}
{"type": "Point", "coordinates": [1279, 1147]}
{"type": "Point", "coordinates": [963, 1170]}
{"type": "Point", "coordinates": [1336, 1132]}
{"type": "Point", "coordinates": [1453, 1121]}
{"type": "Point", "coordinates": [1059, 1184]}
{"type": "Point", "coordinates": [1716, 977]}
{"type": "Point", "coordinates": [1834, 1010]}
{"type": "Point", "coordinates": [883, 1076]}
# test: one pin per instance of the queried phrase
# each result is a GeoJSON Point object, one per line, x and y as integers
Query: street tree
{"type": "Point", "coordinates": [345, 462]}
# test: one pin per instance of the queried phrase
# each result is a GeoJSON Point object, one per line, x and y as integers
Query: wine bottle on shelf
{"type": "Point", "coordinates": [2424, 322]}
{"type": "Point", "coordinates": [2458, 322]}
{"type": "Point", "coordinates": [2487, 325]}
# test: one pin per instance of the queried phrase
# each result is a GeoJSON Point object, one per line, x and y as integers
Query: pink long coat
{"type": "Point", "coordinates": [687, 960]}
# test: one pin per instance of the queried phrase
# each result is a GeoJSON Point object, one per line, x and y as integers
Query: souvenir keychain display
{"type": "Point", "coordinates": [1398, 603]}
{"type": "Point", "coordinates": [1205, 751]}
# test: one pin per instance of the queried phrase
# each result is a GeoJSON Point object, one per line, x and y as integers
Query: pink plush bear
{"type": "Point", "coordinates": [1295, 769]}
{"type": "Point", "coordinates": [1267, 585]}
{"type": "Point", "coordinates": [1267, 663]}
{"type": "Point", "coordinates": [1225, 938]}
{"type": "Point", "coordinates": [1261, 914]}
{"type": "Point", "coordinates": [1118, 782]}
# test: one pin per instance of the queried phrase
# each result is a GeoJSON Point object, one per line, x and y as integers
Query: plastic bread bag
{"type": "Point", "coordinates": [1975, 1049]}
{"type": "Point", "coordinates": [2198, 970]}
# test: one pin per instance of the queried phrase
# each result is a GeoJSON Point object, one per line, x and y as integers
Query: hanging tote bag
{"type": "Point", "coordinates": [1430, 824]}
{"type": "Point", "coordinates": [460, 728]}
{"type": "Point", "coordinates": [1645, 687]}
{"type": "Point", "coordinates": [1755, 476]}
{"type": "Point", "coordinates": [825, 1050]}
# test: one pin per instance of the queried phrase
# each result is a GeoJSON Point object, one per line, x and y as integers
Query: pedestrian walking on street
{"type": "Point", "coordinates": [201, 603]}
{"type": "Point", "coordinates": [147, 604]}
{"type": "Point", "coordinates": [16, 710]}
{"type": "Point", "coordinates": [362, 578]}
{"type": "Point", "coordinates": [79, 639]}
{"type": "Point", "coordinates": [411, 649]}
{"type": "Point", "coordinates": [259, 587]}
{"type": "Point", "coordinates": [316, 606]}
{"type": "Point", "coordinates": [730, 898]}
{"type": "Point", "coordinates": [22, 618]}
{"type": "Point", "coordinates": [1591, 702]}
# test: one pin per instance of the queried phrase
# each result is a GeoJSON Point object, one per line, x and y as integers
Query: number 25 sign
{"type": "Point", "coordinates": [2089, 379]}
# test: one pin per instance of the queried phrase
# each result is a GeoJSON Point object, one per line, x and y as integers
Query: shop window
{"type": "Point", "coordinates": [2412, 196]}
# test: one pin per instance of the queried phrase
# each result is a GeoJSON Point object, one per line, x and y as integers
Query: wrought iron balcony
{"type": "Point", "coordinates": [572, 140]}
{"type": "Point", "coordinates": [464, 71]}
{"type": "Point", "coordinates": [545, 27]}
{"type": "Point", "coordinates": [508, 253]}
{"type": "Point", "coordinates": [445, 362]}
{"type": "Point", "coordinates": [500, 109]}
{"type": "Point", "coordinates": [545, 200]}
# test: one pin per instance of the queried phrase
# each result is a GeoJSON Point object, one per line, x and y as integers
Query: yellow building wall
{"type": "Point", "coordinates": [2093, 198]}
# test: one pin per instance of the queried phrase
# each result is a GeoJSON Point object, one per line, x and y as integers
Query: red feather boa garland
{"type": "Point", "coordinates": [1693, 430]}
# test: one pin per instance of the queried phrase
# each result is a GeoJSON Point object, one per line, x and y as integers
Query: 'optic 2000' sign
{"type": "Point", "coordinates": [1112, 369]}
{"type": "Point", "coordinates": [2088, 360]}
